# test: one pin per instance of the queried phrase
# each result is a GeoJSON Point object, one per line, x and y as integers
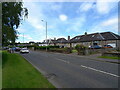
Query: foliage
{"type": "Point", "coordinates": [12, 15]}
{"type": "Point", "coordinates": [44, 47]}
{"type": "Point", "coordinates": [80, 48]}
{"type": "Point", "coordinates": [61, 50]}
{"type": "Point", "coordinates": [74, 51]}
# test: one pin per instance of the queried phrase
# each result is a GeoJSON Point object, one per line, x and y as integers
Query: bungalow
{"type": "Point", "coordinates": [96, 39]}
{"type": "Point", "coordinates": [62, 42]}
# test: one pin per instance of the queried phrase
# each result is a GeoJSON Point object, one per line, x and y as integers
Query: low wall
{"type": "Point", "coordinates": [115, 54]}
{"type": "Point", "coordinates": [94, 51]}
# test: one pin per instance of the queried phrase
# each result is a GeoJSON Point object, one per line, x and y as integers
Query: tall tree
{"type": "Point", "coordinates": [12, 15]}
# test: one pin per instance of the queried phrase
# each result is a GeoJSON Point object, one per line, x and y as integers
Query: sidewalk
{"type": "Point", "coordinates": [95, 57]}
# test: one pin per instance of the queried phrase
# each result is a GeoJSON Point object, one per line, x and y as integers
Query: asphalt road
{"type": "Point", "coordinates": [68, 71]}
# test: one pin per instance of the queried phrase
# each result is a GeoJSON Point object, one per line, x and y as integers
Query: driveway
{"type": "Point", "coordinates": [68, 71]}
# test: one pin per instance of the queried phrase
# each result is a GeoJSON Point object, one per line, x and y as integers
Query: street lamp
{"type": "Point", "coordinates": [46, 32]}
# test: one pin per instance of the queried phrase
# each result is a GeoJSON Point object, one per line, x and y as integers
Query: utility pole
{"type": "Point", "coordinates": [46, 32]}
{"type": "Point", "coordinates": [23, 38]}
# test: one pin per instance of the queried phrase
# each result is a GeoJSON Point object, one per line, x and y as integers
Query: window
{"type": "Point", "coordinates": [93, 35]}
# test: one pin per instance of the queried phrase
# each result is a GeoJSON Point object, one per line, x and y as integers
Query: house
{"type": "Point", "coordinates": [31, 42]}
{"type": "Point", "coordinates": [96, 39]}
{"type": "Point", "coordinates": [62, 42]}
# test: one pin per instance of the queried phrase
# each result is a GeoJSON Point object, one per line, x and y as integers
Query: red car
{"type": "Point", "coordinates": [107, 46]}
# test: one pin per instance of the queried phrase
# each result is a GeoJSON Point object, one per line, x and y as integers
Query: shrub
{"type": "Point", "coordinates": [81, 49]}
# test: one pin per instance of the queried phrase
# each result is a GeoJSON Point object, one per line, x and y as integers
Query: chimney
{"type": "Point", "coordinates": [54, 38]}
{"type": "Point", "coordinates": [68, 38]}
{"type": "Point", "coordinates": [85, 33]}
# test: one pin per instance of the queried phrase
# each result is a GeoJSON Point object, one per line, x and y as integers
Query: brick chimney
{"type": "Point", "coordinates": [85, 33]}
{"type": "Point", "coordinates": [54, 38]}
{"type": "Point", "coordinates": [68, 38]}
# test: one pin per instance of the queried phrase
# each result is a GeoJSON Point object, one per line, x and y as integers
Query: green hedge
{"type": "Point", "coordinates": [44, 47]}
{"type": "Point", "coordinates": [60, 50]}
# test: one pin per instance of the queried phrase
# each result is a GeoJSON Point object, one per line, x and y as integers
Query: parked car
{"type": "Point", "coordinates": [17, 49]}
{"type": "Point", "coordinates": [24, 50]}
{"type": "Point", "coordinates": [95, 47]}
{"type": "Point", "coordinates": [107, 46]}
{"type": "Point", "coordinates": [5, 48]}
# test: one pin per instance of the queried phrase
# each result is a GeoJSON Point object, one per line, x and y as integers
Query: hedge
{"type": "Point", "coordinates": [44, 47]}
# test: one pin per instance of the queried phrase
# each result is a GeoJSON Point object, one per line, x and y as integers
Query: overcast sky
{"type": "Point", "coordinates": [68, 18]}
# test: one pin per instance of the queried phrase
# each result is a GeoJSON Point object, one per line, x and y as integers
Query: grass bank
{"type": "Point", "coordinates": [108, 57]}
{"type": "Point", "coordinates": [18, 73]}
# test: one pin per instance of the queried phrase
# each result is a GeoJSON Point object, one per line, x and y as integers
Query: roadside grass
{"type": "Point", "coordinates": [74, 51]}
{"type": "Point", "coordinates": [18, 73]}
{"type": "Point", "coordinates": [109, 57]}
{"type": "Point", "coordinates": [0, 68]}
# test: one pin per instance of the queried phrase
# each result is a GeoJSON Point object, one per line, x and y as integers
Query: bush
{"type": "Point", "coordinates": [81, 49]}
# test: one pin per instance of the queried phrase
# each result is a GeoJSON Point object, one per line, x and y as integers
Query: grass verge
{"type": "Point", "coordinates": [108, 57]}
{"type": "Point", "coordinates": [74, 51]}
{"type": "Point", "coordinates": [18, 73]}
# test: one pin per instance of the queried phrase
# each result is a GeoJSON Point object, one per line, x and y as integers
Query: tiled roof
{"type": "Point", "coordinates": [110, 36]}
{"type": "Point", "coordinates": [61, 40]}
{"type": "Point", "coordinates": [95, 37]}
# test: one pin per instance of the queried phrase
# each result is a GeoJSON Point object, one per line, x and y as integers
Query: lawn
{"type": "Point", "coordinates": [108, 57]}
{"type": "Point", "coordinates": [18, 73]}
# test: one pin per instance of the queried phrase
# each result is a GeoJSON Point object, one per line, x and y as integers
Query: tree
{"type": "Point", "coordinates": [12, 15]}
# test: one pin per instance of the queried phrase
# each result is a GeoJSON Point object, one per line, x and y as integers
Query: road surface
{"type": "Point", "coordinates": [68, 71]}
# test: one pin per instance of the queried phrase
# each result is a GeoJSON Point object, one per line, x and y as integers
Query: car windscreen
{"type": "Point", "coordinates": [24, 49]}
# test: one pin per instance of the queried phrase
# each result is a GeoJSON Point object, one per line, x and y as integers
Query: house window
{"type": "Point", "coordinates": [93, 35]}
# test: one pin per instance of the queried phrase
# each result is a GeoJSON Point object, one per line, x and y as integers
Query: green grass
{"type": "Point", "coordinates": [0, 69]}
{"type": "Point", "coordinates": [18, 73]}
{"type": "Point", "coordinates": [74, 51]}
{"type": "Point", "coordinates": [107, 57]}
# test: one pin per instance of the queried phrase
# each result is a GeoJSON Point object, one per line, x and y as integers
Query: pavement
{"type": "Point", "coordinates": [74, 71]}
{"type": "Point", "coordinates": [95, 57]}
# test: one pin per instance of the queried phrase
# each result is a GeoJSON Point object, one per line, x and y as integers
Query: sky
{"type": "Point", "coordinates": [67, 19]}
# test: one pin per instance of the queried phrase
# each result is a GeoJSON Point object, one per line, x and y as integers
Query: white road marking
{"type": "Point", "coordinates": [100, 71]}
{"type": "Point", "coordinates": [63, 60]}
{"type": "Point", "coordinates": [90, 68]}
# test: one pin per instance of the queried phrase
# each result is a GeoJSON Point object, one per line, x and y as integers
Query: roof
{"type": "Point", "coordinates": [110, 36]}
{"type": "Point", "coordinates": [61, 40]}
{"type": "Point", "coordinates": [95, 37]}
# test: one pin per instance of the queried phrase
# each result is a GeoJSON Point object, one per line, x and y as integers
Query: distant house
{"type": "Point", "coordinates": [96, 39]}
{"type": "Point", "coordinates": [31, 43]}
{"type": "Point", "coordinates": [62, 42]}
{"type": "Point", "coordinates": [101, 39]}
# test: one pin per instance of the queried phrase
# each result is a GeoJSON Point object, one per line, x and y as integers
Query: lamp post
{"type": "Point", "coordinates": [46, 32]}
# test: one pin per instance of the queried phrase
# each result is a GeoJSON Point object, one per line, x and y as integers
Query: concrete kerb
{"type": "Point", "coordinates": [45, 74]}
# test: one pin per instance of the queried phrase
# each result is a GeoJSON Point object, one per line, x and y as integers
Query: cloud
{"type": "Point", "coordinates": [21, 30]}
{"type": "Point", "coordinates": [25, 36]}
{"type": "Point", "coordinates": [85, 7]}
{"type": "Point", "coordinates": [112, 21]}
{"type": "Point", "coordinates": [63, 17]}
{"type": "Point", "coordinates": [110, 24]}
{"type": "Point", "coordinates": [101, 6]}
{"type": "Point", "coordinates": [56, 7]}
{"type": "Point", "coordinates": [77, 25]}
{"type": "Point", "coordinates": [104, 7]}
